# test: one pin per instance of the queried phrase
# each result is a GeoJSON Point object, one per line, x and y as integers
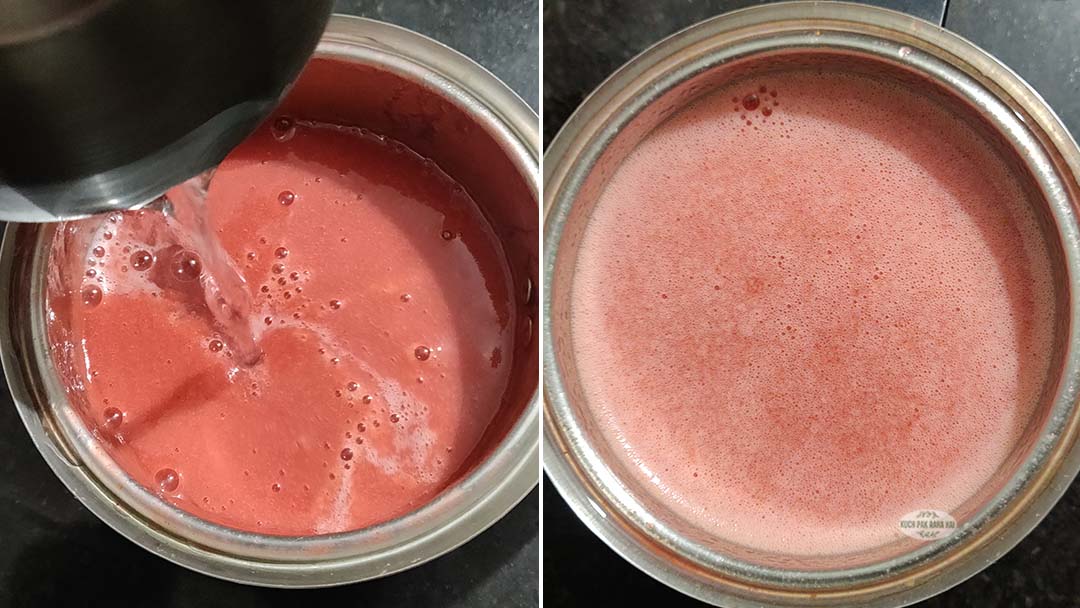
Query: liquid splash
{"type": "Point", "coordinates": [224, 288]}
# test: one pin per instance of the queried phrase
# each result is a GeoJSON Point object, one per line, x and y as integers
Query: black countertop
{"type": "Point", "coordinates": [53, 552]}
{"type": "Point", "coordinates": [586, 40]}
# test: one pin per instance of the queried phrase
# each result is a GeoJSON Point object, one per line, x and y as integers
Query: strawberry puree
{"type": "Point", "coordinates": [382, 306]}
{"type": "Point", "coordinates": [807, 306]}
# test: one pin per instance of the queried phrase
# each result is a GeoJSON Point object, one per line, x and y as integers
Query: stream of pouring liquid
{"type": "Point", "coordinates": [224, 289]}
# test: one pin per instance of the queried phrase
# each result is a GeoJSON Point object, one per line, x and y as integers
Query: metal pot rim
{"type": "Point", "coordinates": [592, 490]}
{"type": "Point", "coordinates": [457, 515]}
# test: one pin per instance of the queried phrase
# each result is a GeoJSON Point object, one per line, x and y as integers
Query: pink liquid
{"type": "Point", "coordinates": [802, 315]}
{"type": "Point", "coordinates": [382, 306]}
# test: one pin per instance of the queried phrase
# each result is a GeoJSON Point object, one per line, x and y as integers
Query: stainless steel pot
{"type": "Point", "coordinates": [444, 106]}
{"type": "Point", "coordinates": [657, 84]}
{"type": "Point", "coordinates": [108, 103]}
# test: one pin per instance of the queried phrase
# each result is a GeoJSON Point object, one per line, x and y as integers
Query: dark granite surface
{"type": "Point", "coordinates": [584, 41]}
{"type": "Point", "coordinates": [53, 552]}
{"type": "Point", "coordinates": [501, 35]}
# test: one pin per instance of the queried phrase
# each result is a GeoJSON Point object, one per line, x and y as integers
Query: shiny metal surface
{"type": "Point", "coordinates": [480, 105]}
{"type": "Point", "coordinates": [108, 103]}
{"type": "Point", "coordinates": [655, 85]}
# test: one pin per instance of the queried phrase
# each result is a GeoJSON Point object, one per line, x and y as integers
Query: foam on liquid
{"type": "Point", "coordinates": [382, 306]}
{"type": "Point", "coordinates": [808, 305]}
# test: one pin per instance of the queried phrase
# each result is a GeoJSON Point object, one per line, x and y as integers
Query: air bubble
{"type": "Point", "coordinates": [142, 260]}
{"type": "Point", "coordinates": [283, 128]}
{"type": "Point", "coordinates": [186, 266]}
{"type": "Point", "coordinates": [113, 418]}
{"type": "Point", "coordinates": [91, 295]}
{"type": "Point", "coordinates": [168, 480]}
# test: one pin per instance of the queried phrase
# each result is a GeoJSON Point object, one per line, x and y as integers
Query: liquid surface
{"type": "Point", "coordinates": [382, 308]}
{"type": "Point", "coordinates": [808, 306]}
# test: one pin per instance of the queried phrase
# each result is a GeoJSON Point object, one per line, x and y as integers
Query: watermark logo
{"type": "Point", "coordinates": [927, 524]}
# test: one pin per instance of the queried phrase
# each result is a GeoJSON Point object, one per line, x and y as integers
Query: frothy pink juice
{"type": "Point", "coordinates": [381, 306]}
{"type": "Point", "coordinates": [807, 306]}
